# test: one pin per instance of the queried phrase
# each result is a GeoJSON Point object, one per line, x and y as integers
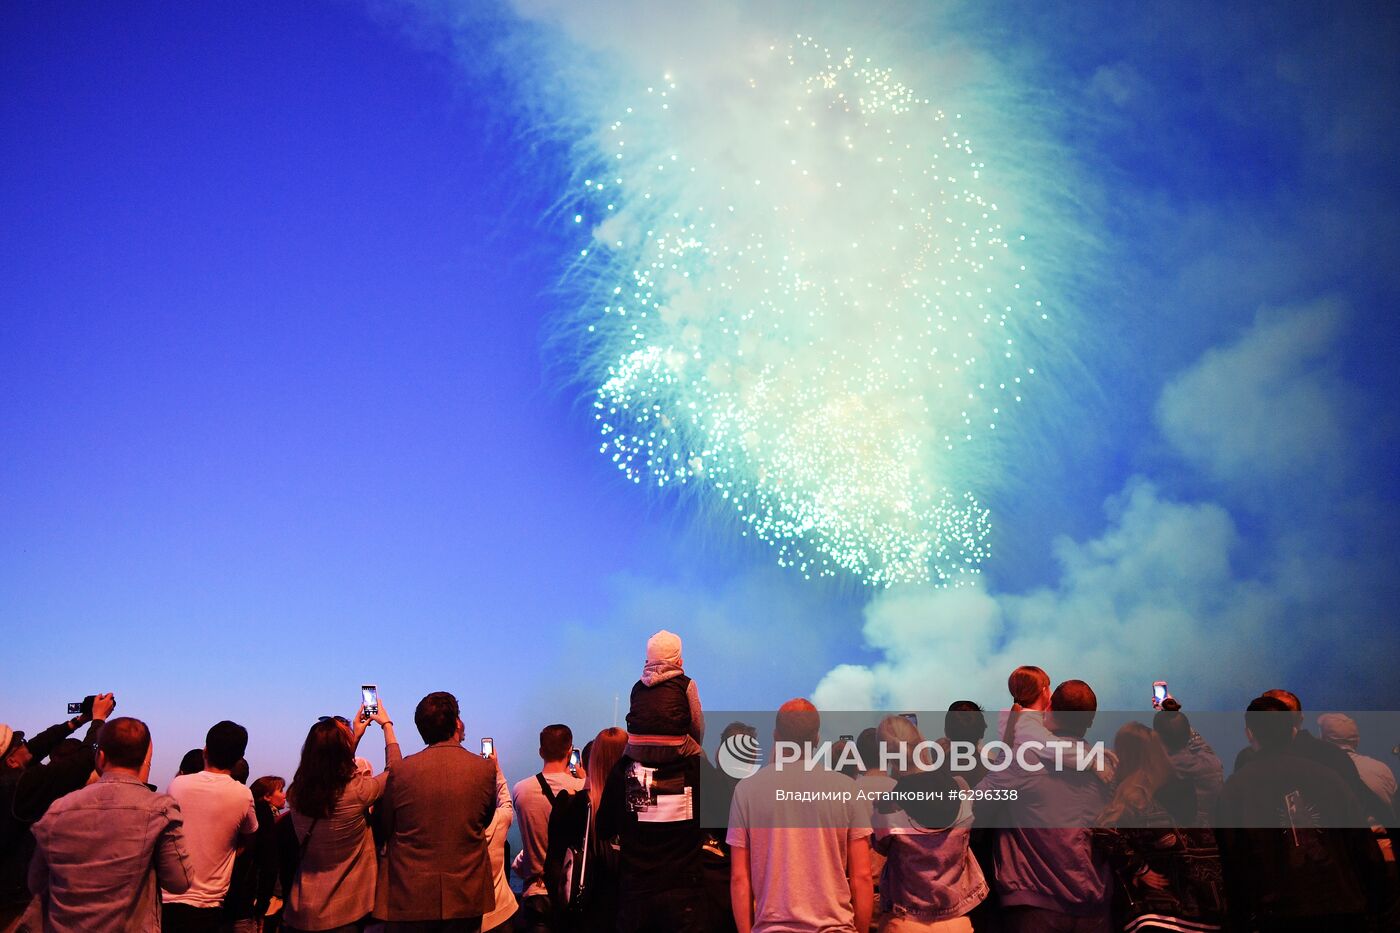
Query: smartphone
{"type": "Point", "coordinates": [488, 747]}
{"type": "Point", "coordinates": [369, 699]}
{"type": "Point", "coordinates": [912, 717]}
{"type": "Point", "coordinates": [846, 737]}
{"type": "Point", "coordinates": [1159, 693]}
{"type": "Point", "coordinates": [74, 709]}
{"type": "Point", "coordinates": [83, 708]}
{"type": "Point", "coordinates": [574, 758]}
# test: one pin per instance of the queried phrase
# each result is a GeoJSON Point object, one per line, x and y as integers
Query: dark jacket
{"type": "Point", "coordinates": [254, 870]}
{"type": "Point", "coordinates": [655, 813]}
{"type": "Point", "coordinates": [27, 794]}
{"type": "Point", "coordinates": [1044, 854]}
{"type": "Point", "coordinates": [434, 815]}
{"type": "Point", "coordinates": [1293, 842]}
{"type": "Point", "coordinates": [1306, 745]}
{"type": "Point", "coordinates": [1149, 838]}
{"type": "Point", "coordinates": [662, 708]}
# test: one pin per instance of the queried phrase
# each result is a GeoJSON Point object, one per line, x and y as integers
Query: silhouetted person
{"type": "Point", "coordinates": [1291, 834]}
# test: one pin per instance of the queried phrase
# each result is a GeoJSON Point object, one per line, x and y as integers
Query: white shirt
{"type": "Point", "coordinates": [217, 810]}
{"type": "Point", "coordinates": [798, 850]}
{"type": "Point", "coordinates": [1376, 775]}
{"type": "Point", "coordinates": [532, 809]}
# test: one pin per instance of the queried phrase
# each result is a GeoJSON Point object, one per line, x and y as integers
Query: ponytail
{"type": "Point", "coordinates": [1025, 685]}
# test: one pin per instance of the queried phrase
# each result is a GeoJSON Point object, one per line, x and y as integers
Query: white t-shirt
{"type": "Point", "coordinates": [532, 809]}
{"type": "Point", "coordinates": [217, 810]}
{"type": "Point", "coordinates": [798, 850]}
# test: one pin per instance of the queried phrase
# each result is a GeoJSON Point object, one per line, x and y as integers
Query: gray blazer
{"type": "Point", "coordinates": [434, 814]}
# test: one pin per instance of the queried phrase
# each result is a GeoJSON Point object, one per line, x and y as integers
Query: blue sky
{"type": "Point", "coordinates": [278, 411]}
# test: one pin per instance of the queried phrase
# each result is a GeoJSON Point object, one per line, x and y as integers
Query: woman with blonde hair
{"type": "Point", "coordinates": [1169, 875]}
{"type": "Point", "coordinates": [930, 880]}
{"type": "Point", "coordinates": [502, 916]}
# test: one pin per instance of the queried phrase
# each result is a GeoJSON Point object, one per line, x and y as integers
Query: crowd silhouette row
{"type": "Point", "coordinates": [640, 831]}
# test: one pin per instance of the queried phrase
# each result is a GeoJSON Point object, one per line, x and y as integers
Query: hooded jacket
{"type": "Point", "coordinates": [665, 702]}
{"type": "Point", "coordinates": [1198, 764]}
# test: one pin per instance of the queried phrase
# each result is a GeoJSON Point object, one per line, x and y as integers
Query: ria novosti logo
{"type": "Point", "coordinates": [739, 755]}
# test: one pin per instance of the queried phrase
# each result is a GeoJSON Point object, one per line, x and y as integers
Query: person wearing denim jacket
{"type": "Point", "coordinates": [930, 879]}
{"type": "Point", "coordinates": [103, 853]}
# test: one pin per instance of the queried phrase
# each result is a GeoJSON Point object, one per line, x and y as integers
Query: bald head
{"type": "Point", "coordinates": [798, 721]}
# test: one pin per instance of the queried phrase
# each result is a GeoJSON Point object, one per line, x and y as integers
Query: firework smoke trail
{"type": "Point", "coordinates": [801, 292]}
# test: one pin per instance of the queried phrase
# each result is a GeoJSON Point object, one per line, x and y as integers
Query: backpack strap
{"type": "Point", "coordinates": [544, 786]}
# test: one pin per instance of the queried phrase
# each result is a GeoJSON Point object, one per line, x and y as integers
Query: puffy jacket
{"type": "Point", "coordinates": [660, 708]}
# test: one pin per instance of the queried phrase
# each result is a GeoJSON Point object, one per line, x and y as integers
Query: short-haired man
{"type": "Point", "coordinates": [219, 817]}
{"type": "Point", "coordinates": [533, 799]}
{"type": "Point", "coordinates": [1292, 837]}
{"type": "Point", "coordinates": [1048, 875]}
{"type": "Point", "coordinates": [103, 852]}
{"type": "Point", "coordinates": [799, 865]}
{"type": "Point", "coordinates": [1307, 745]}
{"type": "Point", "coordinates": [435, 873]}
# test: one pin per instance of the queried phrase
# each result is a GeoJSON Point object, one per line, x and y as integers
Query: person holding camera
{"type": "Point", "coordinates": [103, 852]}
{"type": "Point", "coordinates": [29, 784]}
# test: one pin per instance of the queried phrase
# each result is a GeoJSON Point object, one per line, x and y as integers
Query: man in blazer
{"type": "Point", "coordinates": [435, 874]}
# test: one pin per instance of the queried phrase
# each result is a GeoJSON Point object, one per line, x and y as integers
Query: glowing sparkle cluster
{"type": "Point", "coordinates": [808, 316]}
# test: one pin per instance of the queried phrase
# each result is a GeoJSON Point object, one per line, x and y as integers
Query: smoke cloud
{"type": "Point", "coordinates": [763, 298]}
{"type": "Point", "coordinates": [1169, 589]}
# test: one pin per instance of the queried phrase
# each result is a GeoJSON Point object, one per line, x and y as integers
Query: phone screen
{"type": "Point", "coordinates": [369, 698]}
{"type": "Point", "coordinates": [574, 760]}
{"type": "Point", "coordinates": [488, 747]}
{"type": "Point", "coordinates": [1159, 692]}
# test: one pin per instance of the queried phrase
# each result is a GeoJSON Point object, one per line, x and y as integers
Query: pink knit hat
{"type": "Point", "coordinates": [664, 646]}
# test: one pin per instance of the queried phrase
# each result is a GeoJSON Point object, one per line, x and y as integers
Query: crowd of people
{"type": "Point", "coordinates": [640, 831]}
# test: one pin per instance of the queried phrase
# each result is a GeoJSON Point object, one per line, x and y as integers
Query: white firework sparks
{"type": "Point", "coordinates": [810, 318]}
